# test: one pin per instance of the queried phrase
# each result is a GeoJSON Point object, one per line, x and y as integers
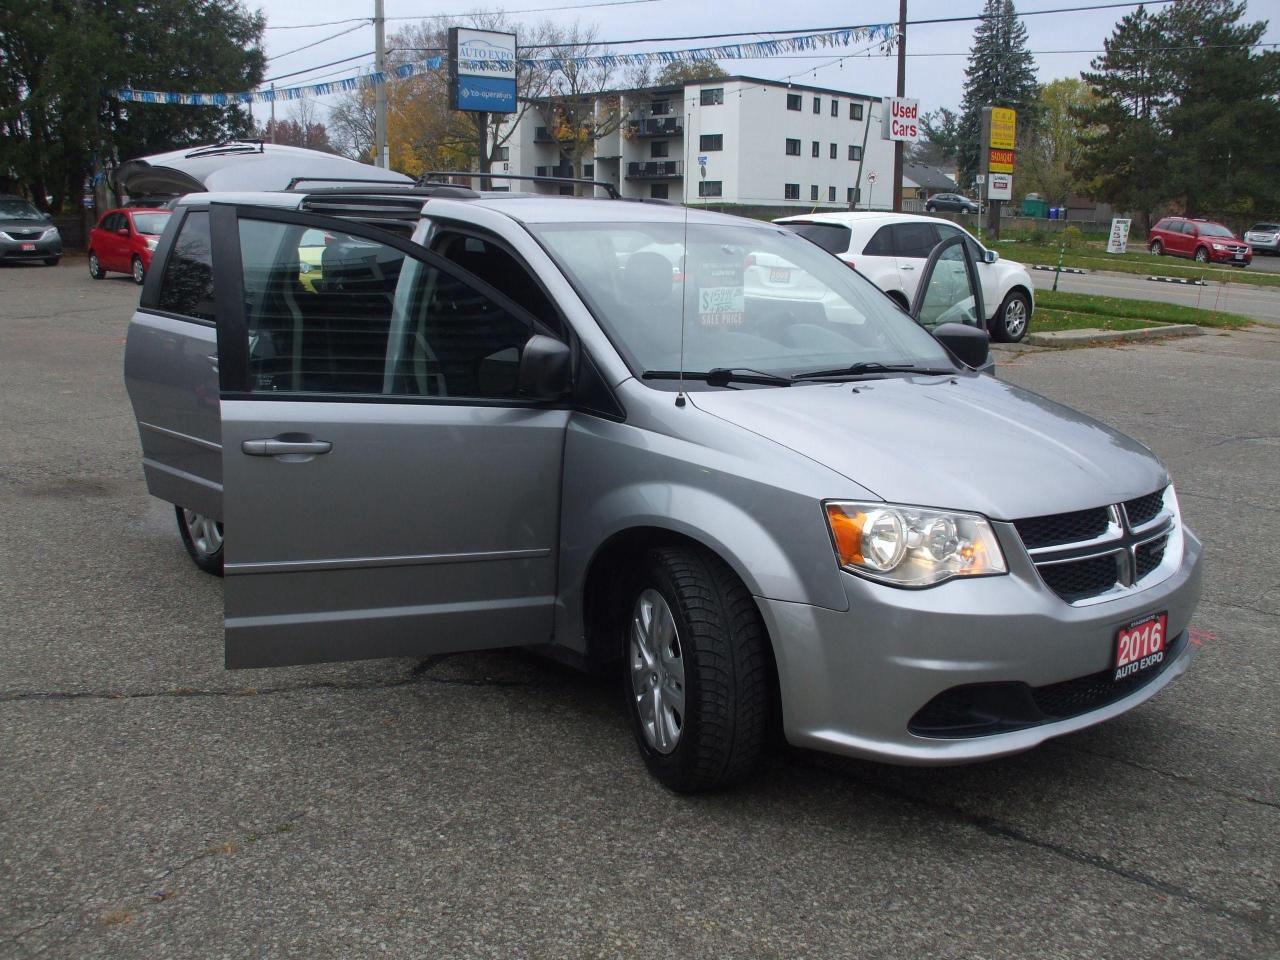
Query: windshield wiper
{"type": "Point", "coordinates": [722, 376]}
{"type": "Point", "coordinates": [869, 367]}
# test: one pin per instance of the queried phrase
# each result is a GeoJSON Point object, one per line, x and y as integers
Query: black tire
{"type": "Point", "coordinates": [95, 268]}
{"type": "Point", "coordinates": [930, 208]}
{"type": "Point", "coordinates": [51, 261]}
{"type": "Point", "coordinates": [1157, 248]}
{"type": "Point", "coordinates": [1011, 321]}
{"type": "Point", "coordinates": [722, 647]}
{"type": "Point", "coordinates": [137, 271]}
{"type": "Point", "coordinates": [1202, 254]}
{"type": "Point", "coordinates": [207, 559]}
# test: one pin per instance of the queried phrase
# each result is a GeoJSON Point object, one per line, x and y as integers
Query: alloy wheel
{"type": "Point", "coordinates": [657, 671]}
{"type": "Point", "coordinates": [205, 532]}
{"type": "Point", "coordinates": [1015, 317]}
{"type": "Point", "coordinates": [138, 273]}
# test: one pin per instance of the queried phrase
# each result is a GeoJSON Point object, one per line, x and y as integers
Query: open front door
{"type": "Point", "coordinates": [386, 492]}
{"type": "Point", "coordinates": [950, 290]}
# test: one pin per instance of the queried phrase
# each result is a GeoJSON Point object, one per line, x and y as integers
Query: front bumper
{"type": "Point", "coordinates": [1267, 246]}
{"type": "Point", "coordinates": [852, 680]}
{"type": "Point", "coordinates": [1226, 256]}
{"type": "Point", "coordinates": [40, 249]}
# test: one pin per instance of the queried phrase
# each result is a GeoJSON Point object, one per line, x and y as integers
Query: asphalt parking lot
{"type": "Point", "coordinates": [492, 805]}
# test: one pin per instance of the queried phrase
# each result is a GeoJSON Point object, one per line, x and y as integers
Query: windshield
{"type": "Point", "coordinates": [1264, 228]}
{"type": "Point", "coordinates": [150, 223]}
{"type": "Point", "coordinates": [760, 297]}
{"type": "Point", "coordinates": [1214, 230]}
{"type": "Point", "coordinates": [15, 208]}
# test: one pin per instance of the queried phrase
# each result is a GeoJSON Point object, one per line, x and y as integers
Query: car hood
{"type": "Point", "coordinates": [14, 223]}
{"type": "Point", "coordinates": [966, 443]}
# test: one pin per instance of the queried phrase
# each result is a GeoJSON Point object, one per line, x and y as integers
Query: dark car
{"type": "Point", "coordinates": [950, 201]}
{"type": "Point", "coordinates": [124, 240]}
{"type": "Point", "coordinates": [1202, 240]}
{"type": "Point", "coordinates": [26, 233]}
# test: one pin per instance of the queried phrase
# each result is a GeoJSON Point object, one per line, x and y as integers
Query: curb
{"type": "Point", "coordinates": [1057, 338]}
{"type": "Point", "coordinates": [1192, 283]}
{"type": "Point", "coordinates": [1041, 266]}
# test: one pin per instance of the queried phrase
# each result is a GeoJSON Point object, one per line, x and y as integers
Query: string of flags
{"type": "Point", "coordinates": [882, 33]}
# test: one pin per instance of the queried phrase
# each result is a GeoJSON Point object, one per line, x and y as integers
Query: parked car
{"type": "Point", "coordinates": [1263, 237]}
{"type": "Point", "coordinates": [951, 201]}
{"type": "Point", "coordinates": [489, 428]}
{"type": "Point", "coordinates": [123, 241]}
{"type": "Point", "coordinates": [26, 233]}
{"type": "Point", "coordinates": [1202, 240]}
{"type": "Point", "coordinates": [889, 249]}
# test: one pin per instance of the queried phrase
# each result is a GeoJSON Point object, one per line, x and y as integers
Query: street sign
{"type": "Point", "coordinates": [871, 178]}
{"type": "Point", "coordinates": [1118, 241]}
{"type": "Point", "coordinates": [482, 71]}
{"type": "Point", "coordinates": [900, 120]}
{"type": "Point", "coordinates": [980, 178]}
{"type": "Point", "coordinates": [702, 159]}
{"type": "Point", "coordinates": [1001, 187]}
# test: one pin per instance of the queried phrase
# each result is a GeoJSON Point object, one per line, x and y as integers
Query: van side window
{"type": "Point", "coordinates": [495, 266]}
{"type": "Point", "coordinates": [914, 240]}
{"type": "Point", "coordinates": [187, 285]}
{"type": "Point", "coordinates": [369, 321]}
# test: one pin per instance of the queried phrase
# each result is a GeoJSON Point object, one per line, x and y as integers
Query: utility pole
{"type": "Point", "coordinates": [902, 92]}
{"type": "Point", "coordinates": [382, 158]}
{"type": "Point", "coordinates": [273, 113]}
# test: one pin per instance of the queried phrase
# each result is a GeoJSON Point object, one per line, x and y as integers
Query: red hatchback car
{"type": "Point", "coordinates": [124, 240]}
{"type": "Point", "coordinates": [1202, 240]}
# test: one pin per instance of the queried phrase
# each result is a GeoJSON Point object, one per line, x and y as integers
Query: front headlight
{"type": "Point", "coordinates": [5, 236]}
{"type": "Point", "coordinates": [912, 546]}
{"type": "Point", "coordinates": [50, 234]}
{"type": "Point", "coordinates": [152, 243]}
{"type": "Point", "coordinates": [1219, 246]}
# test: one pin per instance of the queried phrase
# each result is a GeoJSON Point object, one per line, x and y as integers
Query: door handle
{"type": "Point", "coordinates": [907, 266]}
{"type": "Point", "coordinates": [274, 447]}
{"type": "Point", "coordinates": [213, 361]}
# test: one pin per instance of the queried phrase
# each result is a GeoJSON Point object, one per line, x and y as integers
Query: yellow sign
{"type": "Point", "coordinates": [1004, 128]}
{"type": "Point", "coordinates": [1000, 161]}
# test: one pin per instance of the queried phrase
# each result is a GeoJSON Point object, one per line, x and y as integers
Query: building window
{"type": "Point", "coordinates": [831, 194]}
{"type": "Point", "coordinates": [815, 149]}
{"type": "Point", "coordinates": [793, 147]}
{"type": "Point", "coordinates": [659, 148]}
{"type": "Point", "coordinates": [713, 96]}
{"type": "Point", "coordinates": [835, 107]}
{"type": "Point", "coordinates": [659, 191]}
{"type": "Point", "coordinates": [711, 141]}
{"type": "Point", "coordinates": [835, 151]}
{"type": "Point", "coordinates": [855, 111]}
{"type": "Point", "coordinates": [817, 104]}
{"type": "Point", "coordinates": [504, 154]}
{"type": "Point", "coordinates": [710, 188]}
{"type": "Point", "coordinates": [813, 193]}
{"type": "Point", "coordinates": [855, 153]}
{"type": "Point", "coordinates": [793, 101]}
{"type": "Point", "coordinates": [589, 171]}
{"type": "Point", "coordinates": [854, 196]}
{"type": "Point", "coordinates": [660, 108]}
{"type": "Point", "coordinates": [791, 191]}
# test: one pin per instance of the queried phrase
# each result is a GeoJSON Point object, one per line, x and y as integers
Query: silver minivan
{"type": "Point", "coordinates": [693, 449]}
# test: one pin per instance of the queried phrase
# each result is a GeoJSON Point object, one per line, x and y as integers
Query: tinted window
{"type": "Point", "coordinates": [793, 101]}
{"type": "Point", "coordinates": [1215, 230]}
{"type": "Point", "coordinates": [914, 240]}
{"type": "Point", "coordinates": [831, 237]}
{"type": "Point", "coordinates": [1162, 225]}
{"type": "Point", "coordinates": [495, 266]}
{"type": "Point", "coordinates": [880, 245]}
{"type": "Point", "coordinates": [375, 322]}
{"type": "Point", "coordinates": [187, 285]}
{"type": "Point", "coordinates": [712, 96]}
{"type": "Point", "coordinates": [1265, 227]}
{"type": "Point", "coordinates": [711, 141]}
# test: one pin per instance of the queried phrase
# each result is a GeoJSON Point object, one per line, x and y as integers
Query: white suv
{"type": "Point", "coordinates": [890, 250]}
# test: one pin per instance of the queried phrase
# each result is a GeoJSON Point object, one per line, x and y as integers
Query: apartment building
{"type": "Point", "coordinates": [766, 143]}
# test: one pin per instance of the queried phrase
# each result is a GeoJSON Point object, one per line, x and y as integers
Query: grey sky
{"type": "Point", "coordinates": [935, 66]}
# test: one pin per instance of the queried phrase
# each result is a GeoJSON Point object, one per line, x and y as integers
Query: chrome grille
{"type": "Point", "coordinates": [1089, 555]}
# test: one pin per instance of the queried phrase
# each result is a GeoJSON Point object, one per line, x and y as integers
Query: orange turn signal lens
{"type": "Point", "coordinates": [846, 528]}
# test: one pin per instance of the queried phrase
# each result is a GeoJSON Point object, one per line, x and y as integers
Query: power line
{"type": "Point", "coordinates": [331, 63]}
{"type": "Point", "coordinates": [473, 13]}
{"type": "Point", "coordinates": [316, 43]}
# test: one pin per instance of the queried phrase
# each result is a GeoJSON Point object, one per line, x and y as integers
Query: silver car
{"type": "Point", "coordinates": [502, 420]}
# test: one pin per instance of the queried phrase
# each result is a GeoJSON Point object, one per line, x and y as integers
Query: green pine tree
{"type": "Point", "coordinates": [1001, 73]}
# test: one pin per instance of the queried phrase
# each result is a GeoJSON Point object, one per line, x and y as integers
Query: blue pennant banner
{"type": "Point", "coordinates": [883, 34]}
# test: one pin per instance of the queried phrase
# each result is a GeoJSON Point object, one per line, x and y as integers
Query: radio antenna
{"type": "Point", "coordinates": [684, 248]}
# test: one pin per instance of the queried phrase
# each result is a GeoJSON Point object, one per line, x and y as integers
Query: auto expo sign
{"type": "Point", "coordinates": [900, 120]}
{"type": "Point", "coordinates": [482, 71]}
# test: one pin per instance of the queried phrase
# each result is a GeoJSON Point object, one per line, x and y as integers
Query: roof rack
{"type": "Point", "coordinates": [432, 176]}
{"type": "Point", "coordinates": [395, 185]}
{"type": "Point", "coordinates": [227, 146]}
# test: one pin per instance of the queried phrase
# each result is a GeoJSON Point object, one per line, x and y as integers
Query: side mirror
{"type": "Point", "coordinates": [545, 369]}
{"type": "Point", "coordinates": [990, 256]}
{"type": "Point", "coordinates": [970, 345]}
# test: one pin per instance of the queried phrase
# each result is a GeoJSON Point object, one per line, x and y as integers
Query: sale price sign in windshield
{"type": "Point", "coordinates": [721, 299]}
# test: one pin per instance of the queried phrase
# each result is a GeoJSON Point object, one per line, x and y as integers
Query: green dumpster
{"type": "Point", "coordinates": [1034, 206]}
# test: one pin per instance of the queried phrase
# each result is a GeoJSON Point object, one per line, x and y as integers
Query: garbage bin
{"type": "Point", "coordinates": [1033, 205]}
{"type": "Point", "coordinates": [1053, 213]}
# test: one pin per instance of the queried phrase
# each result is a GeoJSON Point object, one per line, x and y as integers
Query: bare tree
{"type": "Point", "coordinates": [577, 110]}
{"type": "Point", "coordinates": [352, 122]}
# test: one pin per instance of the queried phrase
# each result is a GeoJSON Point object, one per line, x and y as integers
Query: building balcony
{"type": "Point", "coordinates": [668, 127]}
{"type": "Point", "coordinates": [561, 171]}
{"type": "Point", "coordinates": [542, 135]}
{"type": "Point", "coordinates": [656, 170]}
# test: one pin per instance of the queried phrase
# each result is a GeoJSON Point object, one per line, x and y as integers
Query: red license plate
{"type": "Point", "coordinates": [779, 275]}
{"type": "Point", "coordinates": [28, 246]}
{"type": "Point", "coordinates": [1141, 645]}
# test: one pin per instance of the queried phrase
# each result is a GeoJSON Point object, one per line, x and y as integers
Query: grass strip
{"type": "Point", "coordinates": [1097, 307]}
{"type": "Point", "coordinates": [1048, 320]}
{"type": "Point", "coordinates": [1137, 263]}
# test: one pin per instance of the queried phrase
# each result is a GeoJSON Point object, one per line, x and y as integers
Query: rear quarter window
{"type": "Point", "coordinates": [880, 245]}
{"type": "Point", "coordinates": [187, 285]}
{"type": "Point", "coordinates": [831, 237]}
